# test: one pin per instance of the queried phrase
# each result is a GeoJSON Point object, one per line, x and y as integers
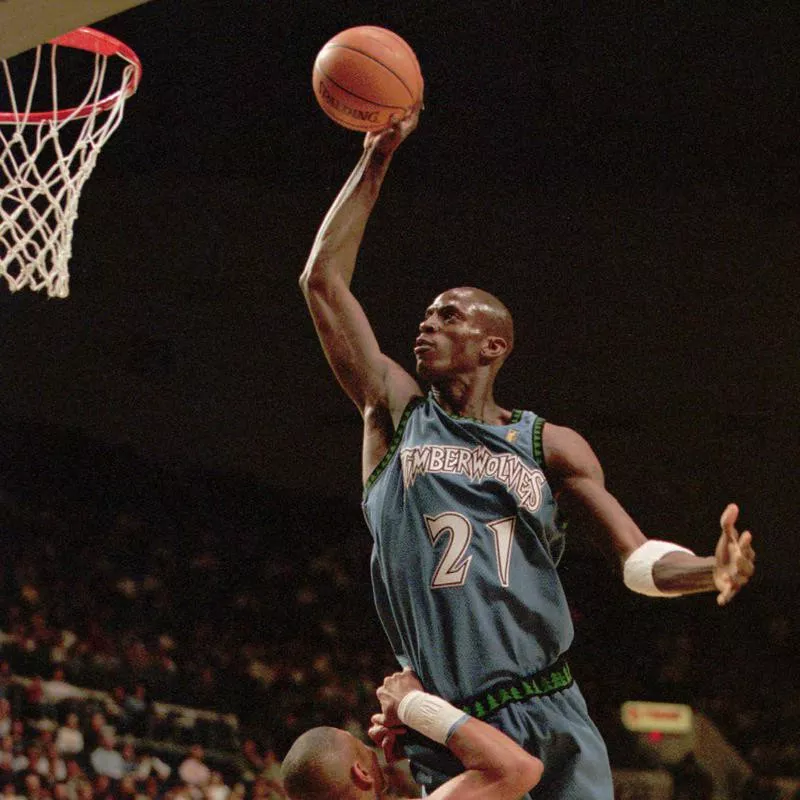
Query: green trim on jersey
{"type": "Point", "coordinates": [395, 443]}
{"type": "Point", "coordinates": [538, 447]}
{"type": "Point", "coordinates": [516, 415]}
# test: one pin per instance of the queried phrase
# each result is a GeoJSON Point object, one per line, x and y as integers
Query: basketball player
{"type": "Point", "coordinates": [325, 762]}
{"type": "Point", "coordinates": [459, 495]}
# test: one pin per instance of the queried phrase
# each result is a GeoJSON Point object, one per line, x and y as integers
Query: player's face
{"type": "Point", "coordinates": [451, 336]}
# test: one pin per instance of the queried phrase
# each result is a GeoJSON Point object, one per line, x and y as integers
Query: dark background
{"type": "Point", "coordinates": [625, 180]}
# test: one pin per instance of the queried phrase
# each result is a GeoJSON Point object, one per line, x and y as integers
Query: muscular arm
{"type": "Point", "coordinates": [496, 768]}
{"type": "Point", "coordinates": [576, 472]}
{"type": "Point", "coordinates": [368, 377]}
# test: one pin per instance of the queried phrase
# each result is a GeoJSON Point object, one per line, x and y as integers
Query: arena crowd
{"type": "Point", "coordinates": [169, 636]}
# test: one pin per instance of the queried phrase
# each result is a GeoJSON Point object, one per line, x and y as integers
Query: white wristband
{"type": "Point", "coordinates": [430, 715]}
{"type": "Point", "coordinates": [638, 570]}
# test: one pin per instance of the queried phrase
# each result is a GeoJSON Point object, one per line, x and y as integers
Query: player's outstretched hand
{"type": "Point", "coordinates": [735, 557]}
{"type": "Point", "coordinates": [385, 142]}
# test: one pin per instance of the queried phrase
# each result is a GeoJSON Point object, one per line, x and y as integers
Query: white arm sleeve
{"type": "Point", "coordinates": [430, 715]}
{"type": "Point", "coordinates": [638, 569]}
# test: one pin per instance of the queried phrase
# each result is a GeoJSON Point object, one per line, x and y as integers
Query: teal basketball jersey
{"type": "Point", "coordinates": [466, 544]}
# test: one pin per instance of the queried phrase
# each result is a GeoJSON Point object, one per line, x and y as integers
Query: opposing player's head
{"type": "Point", "coordinates": [463, 330]}
{"type": "Point", "coordinates": [331, 764]}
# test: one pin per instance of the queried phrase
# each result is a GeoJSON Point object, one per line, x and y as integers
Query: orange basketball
{"type": "Point", "coordinates": [366, 75]}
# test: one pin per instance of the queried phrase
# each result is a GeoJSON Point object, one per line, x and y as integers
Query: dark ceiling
{"type": "Point", "coordinates": [626, 181]}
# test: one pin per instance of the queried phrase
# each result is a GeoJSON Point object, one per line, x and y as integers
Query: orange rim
{"type": "Point", "coordinates": [93, 41]}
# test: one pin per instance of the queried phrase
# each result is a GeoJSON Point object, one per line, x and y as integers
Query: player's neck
{"type": "Point", "coordinates": [470, 400]}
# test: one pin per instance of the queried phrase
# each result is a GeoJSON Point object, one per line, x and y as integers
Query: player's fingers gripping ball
{"type": "Point", "coordinates": [366, 77]}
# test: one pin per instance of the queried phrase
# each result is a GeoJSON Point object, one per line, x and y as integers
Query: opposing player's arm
{"type": "Point", "coordinates": [495, 767]}
{"type": "Point", "coordinates": [651, 566]}
{"type": "Point", "coordinates": [349, 343]}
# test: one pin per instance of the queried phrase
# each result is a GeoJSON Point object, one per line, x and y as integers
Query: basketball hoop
{"type": "Point", "coordinates": [47, 155]}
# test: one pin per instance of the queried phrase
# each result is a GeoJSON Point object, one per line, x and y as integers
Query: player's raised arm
{"type": "Point", "coordinates": [496, 768]}
{"type": "Point", "coordinates": [651, 566]}
{"type": "Point", "coordinates": [347, 338]}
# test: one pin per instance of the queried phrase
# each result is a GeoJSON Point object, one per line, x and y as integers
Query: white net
{"type": "Point", "coordinates": [46, 158]}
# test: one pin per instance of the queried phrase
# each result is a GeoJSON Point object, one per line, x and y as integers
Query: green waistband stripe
{"type": "Point", "coordinates": [548, 681]}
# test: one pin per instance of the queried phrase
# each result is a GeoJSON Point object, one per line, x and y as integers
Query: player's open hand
{"type": "Point", "coordinates": [735, 557]}
{"type": "Point", "coordinates": [385, 142]}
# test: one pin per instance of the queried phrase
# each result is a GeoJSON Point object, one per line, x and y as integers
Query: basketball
{"type": "Point", "coordinates": [366, 75]}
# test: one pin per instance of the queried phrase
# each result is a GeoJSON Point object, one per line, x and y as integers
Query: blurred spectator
{"type": "Point", "coordinates": [137, 708]}
{"type": "Point", "coordinates": [149, 765]}
{"type": "Point", "coordinates": [33, 787]}
{"type": "Point", "coordinates": [69, 737]}
{"type": "Point", "coordinates": [6, 758]}
{"type": "Point", "coordinates": [76, 781]}
{"type": "Point", "coordinates": [102, 788]}
{"type": "Point", "coordinates": [5, 717]}
{"type": "Point", "coordinates": [98, 729]}
{"type": "Point", "coordinates": [217, 789]}
{"type": "Point", "coordinates": [250, 762]}
{"type": "Point", "coordinates": [148, 790]}
{"type": "Point", "coordinates": [264, 789]}
{"type": "Point", "coordinates": [193, 771]}
{"type": "Point", "coordinates": [19, 762]}
{"type": "Point", "coordinates": [5, 678]}
{"type": "Point", "coordinates": [56, 690]}
{"type": "Point", "coordinates": [9, 792]}
{"type": "Point", "coordinates": [26, 756]}
{"type": "Point", "coordinates": [50, 766]}
{"type": "Point", "coordinates": [106, 760]}
{"type": "Point", "coordinates": [271, 771]}
{"type": "Point", "coordinates": [116, 710]}
{"type": "Point", "coordinates": [126, 790]}
{"type": "Point", "coordinates": [35, 706]}
{"type": "Point", "coordinates": [180, 792]}
{"type": "Point", "coordinates": [129, 760]}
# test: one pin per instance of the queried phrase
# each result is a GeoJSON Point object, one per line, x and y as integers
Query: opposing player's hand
{"type": "Point", "coordinates": [735, 557]}
{"type": "Point", "coordinates": [395, 687]}
{"type": "Point", "coordinates": [386, 738]}
{"type": "Point", "coordinates": [385, 142]}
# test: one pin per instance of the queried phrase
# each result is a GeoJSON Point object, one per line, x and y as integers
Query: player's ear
{"type": "Point", "coordinates": [494, 347]}
{"type": "Point", "coordinates": [361, 776]}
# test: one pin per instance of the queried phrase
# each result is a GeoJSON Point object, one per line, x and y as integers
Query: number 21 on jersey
{"type": "Point", "coordinates": [453, 566]}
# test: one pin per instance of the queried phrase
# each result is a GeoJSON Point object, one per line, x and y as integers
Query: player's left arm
{"type": "Point", "coordinates": [651, 566]}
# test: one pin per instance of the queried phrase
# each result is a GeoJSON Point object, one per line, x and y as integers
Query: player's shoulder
{"type": "Point", "coordinates": [560, 435]}
{"type": "Point", "coordinates": [567, 452]}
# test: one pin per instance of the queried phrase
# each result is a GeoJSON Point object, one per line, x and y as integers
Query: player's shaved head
{"type": "Point", "coordinates": [317, 766]}
{"type": "Point", "coordinates": [498, 318]}
{"type": "Point", "coordinates": [494, 315]}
